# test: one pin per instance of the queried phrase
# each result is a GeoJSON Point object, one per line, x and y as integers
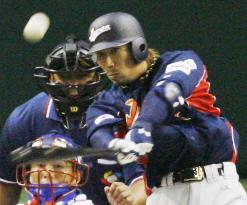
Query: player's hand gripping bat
{"type": "Point", "coordinates": [126, 152]}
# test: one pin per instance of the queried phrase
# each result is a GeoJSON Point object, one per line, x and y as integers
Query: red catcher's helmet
{"type": "Point", "coordinates": [29, 175]}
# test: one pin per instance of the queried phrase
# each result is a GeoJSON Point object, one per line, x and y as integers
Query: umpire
{"type": "Point", "coordinates": [71, 81]}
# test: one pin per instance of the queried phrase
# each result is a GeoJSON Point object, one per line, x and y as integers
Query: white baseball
{"type": "Point", "coordinates": [36, 27]}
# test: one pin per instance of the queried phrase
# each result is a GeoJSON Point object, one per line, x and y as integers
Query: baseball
{"type": "Point", "coordinates": [36, 27]}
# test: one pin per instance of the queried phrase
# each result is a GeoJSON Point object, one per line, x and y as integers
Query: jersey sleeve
{"type": "Point", "coordinates": [103, 121]}
{"type": "Point", "coordinates": [103, 113]}
{"type": "Point", "coordinates": [10, 140]}
{"type": "Point", "coordinates": [180, 77]}
{"type": "Point", "coordinates": [132, 172]}
{"type": "Point", "coordinates": [186, 69]}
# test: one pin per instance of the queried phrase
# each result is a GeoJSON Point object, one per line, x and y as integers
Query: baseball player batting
{"type": "Point", "coordinates": [169, 114]}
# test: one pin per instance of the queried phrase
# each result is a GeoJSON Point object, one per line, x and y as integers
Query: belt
{"type": "Point", "coordinates": [194, 174]}
{"type": "Point", "coordinates": [189, 174]}
{"type": "Point", "coordinates": [199, 173]}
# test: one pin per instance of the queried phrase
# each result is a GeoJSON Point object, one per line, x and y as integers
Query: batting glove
{"type": "Point", "coordinates": [128, 150]}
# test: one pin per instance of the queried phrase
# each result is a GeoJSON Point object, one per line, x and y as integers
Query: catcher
{"type": "Point", "coordinates": [70, 81]}
{"type": "Point", "coordinates": [56, 182]}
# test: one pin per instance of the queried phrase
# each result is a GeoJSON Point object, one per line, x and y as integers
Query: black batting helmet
{"type": "Point", "coordinates": [117, 29]}
{"type": "Point", "coordinates": [70, 59]}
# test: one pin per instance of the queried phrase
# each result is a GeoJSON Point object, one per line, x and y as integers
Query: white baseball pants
{"type": "Point", "coordinates": [214, 189]}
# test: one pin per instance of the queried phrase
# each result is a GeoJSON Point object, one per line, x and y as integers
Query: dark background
{"type": "Point", "coordinates": [216, 30]}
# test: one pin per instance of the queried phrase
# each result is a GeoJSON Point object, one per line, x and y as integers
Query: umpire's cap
{"type": "Point", "coordinates": [114, 30]}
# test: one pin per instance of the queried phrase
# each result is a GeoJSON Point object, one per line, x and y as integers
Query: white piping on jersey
{"type": "Point", "coordinates": [233, 141]}
{"type": "Point", "coordinates": [135, 180]}
{"type": "Point", "coordinates": [166, 76]}
{"type": "Point", "coordinates": [7, 181]}
{"type": "Point", "coordinates": [102, 118]}
{"type": "Point", "coordinates": [160, 82]}
{"type": "Point", "coordinates": [106, 161]}
{"type": "Point", "coordinates": [49, 108]}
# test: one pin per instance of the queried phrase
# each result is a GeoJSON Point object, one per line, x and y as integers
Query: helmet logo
{"type": "Point", "coordinates": [94, 33]}
{"type": "Point", "coordinates": [74, 109]}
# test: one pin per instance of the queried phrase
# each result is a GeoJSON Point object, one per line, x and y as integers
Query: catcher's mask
{"type": "Point", "coordinates": [50, 182]}
{"type": "Point", "coordinates": [70, 61]}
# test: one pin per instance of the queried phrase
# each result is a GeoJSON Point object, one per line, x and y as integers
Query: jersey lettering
{"type": "Point", "coordinates": [94, 33]}
{"type": "Point", "coordinates": [185, 66]}
{"type": "Point", "coordinates": [133, 113]}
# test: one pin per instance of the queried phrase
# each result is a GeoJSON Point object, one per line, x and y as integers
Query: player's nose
{"type": "Point", "coordinates": [45, 177]}
{"type": "Point", "coordinates": [109, 62]}
{"type": "Point", "coordinates": [73, 92]}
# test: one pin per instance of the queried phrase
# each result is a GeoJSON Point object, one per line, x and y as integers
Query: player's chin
{"type": "Point", "coordinates": [121, 82]}
{"type": "Point", "coordinates": [117, 83]}
{"type": "Point", "coordinates": [114, 80]}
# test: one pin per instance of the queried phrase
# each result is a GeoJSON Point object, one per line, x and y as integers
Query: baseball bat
{"type": "Point", "coordinates": [34, 154]}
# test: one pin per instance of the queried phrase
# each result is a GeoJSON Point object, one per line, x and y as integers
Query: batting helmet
{"type": "Point", "coordinates": [117, 29]}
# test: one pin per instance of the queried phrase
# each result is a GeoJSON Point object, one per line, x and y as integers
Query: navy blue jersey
{"type": "Point", "coordinates": [209, 135]}
{"type": "Point", "coordinates": [37, 117]}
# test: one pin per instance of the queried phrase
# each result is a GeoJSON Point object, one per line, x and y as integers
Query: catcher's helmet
{"type": "Point", "coordinates": [117, 29]}
{"type": "Point", "coordinates": [70, 59]}
{"type": "Point", "coordinates": [47, 183]}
